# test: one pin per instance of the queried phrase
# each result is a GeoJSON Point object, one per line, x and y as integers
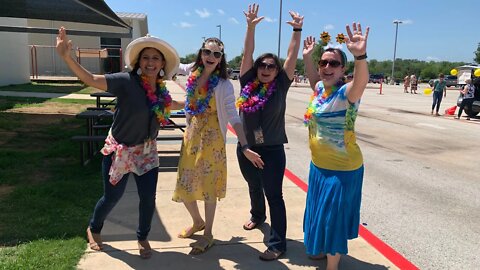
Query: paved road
{"type": "Point", "coordinates": [421, 181]}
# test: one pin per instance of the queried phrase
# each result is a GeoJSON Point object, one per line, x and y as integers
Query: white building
{"type": "Point", "coordinates": [26, 54]}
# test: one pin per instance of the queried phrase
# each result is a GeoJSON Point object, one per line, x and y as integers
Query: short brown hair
{"type": "Point", "coordinates": [441, 75]}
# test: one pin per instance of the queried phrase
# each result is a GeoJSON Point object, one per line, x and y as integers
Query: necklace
{"type": "Point", "coordinates": [198, 105]}
{"type": "Point", "coordinates": [155, 102]}
{"type": "Point", "coordinates": [254, 96]}
{"type": "Point", "coordinates": [317, 100]}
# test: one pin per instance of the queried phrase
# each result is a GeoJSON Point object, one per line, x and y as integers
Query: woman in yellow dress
{"type": "Point", "coordinates": [202, 169]}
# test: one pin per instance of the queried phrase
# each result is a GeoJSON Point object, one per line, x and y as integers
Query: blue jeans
{"type": "Point", "coordinates": [437, 99]}
{"type": "Point", "coordinates": [268, 181]}
{"type": "Point", "coordinates": [146, 186]}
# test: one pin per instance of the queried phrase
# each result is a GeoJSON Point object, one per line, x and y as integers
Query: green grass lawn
{"type": "Point", "coordinates": [43, 217]}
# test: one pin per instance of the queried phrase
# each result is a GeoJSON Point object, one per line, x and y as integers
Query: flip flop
{"type": "Point", "coordinates": [270, 255]}
{"type": "Point", "coordinates": [94, 240]}
{"type": "Point", "coordinates": [144, 249]}
{"type": "Point", "coordinates": [202, 245]}
{"type": "Point", "coordinates": [250, 225]}
{"type": "Point", "coordinates": [188, 232]}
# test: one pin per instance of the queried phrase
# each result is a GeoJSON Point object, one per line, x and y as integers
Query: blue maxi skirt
{"type": "Point", "coordinates": [332, 211]}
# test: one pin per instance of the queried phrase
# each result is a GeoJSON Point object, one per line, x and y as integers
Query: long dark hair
{"type": "Point", "coordinates": [137, 64]}
{"type": "Point", "coordinates": [222, 67]}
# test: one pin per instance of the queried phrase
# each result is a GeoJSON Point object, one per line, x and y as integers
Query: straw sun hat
{"type": "Point", "coordinates": [137, 45]}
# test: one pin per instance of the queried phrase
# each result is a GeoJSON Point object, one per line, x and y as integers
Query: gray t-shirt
{"type": "Point", "coordinates": [133, 120]}
{"type": "Point", "coordinates": [272, 118]}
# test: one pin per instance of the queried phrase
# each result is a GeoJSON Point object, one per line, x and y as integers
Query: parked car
{"type": "Point", "coordinates": [376, 78]}
{"type": "Point", "coordinates": [475, 108]}
{"type": "Point", "coordinates": [235, 74]}
{"type": "Point", "coordinates": [449, 79]}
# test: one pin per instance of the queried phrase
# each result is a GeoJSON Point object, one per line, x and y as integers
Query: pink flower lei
{"type": "Point", "coordinates": [155, 102]}
{"type": "Point", "coordinates": [254, 96]}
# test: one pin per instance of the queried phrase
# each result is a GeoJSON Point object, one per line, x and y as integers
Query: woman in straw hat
{"type": "Point", "coordinates": [202, 169]}
{"type": "Point", "coordinates": [143, 104]}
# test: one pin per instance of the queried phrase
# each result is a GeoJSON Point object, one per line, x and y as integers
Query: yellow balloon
{"type": "Point", "coordinates": [427, 91]}
{"type": "Point", "coordinates": [454, 72]}
{"type": "Point", "coordinates": [477, 72]}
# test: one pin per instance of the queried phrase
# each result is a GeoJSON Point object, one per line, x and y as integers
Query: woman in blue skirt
{"type": "Point", "coordinates": [332, 212]}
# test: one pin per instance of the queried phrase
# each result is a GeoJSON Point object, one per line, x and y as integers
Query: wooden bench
{"type": "Point", "coordinates": [86, 142]}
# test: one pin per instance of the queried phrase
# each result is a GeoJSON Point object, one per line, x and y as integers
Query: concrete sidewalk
{"type": "Point", "coordinates": [234, 247]}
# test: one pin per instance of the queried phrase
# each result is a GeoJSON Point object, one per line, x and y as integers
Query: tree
{"type": "Point", "coordinates": [477, 54]}
{"type": "Point", "coordinates": [235, 62]}
{"type": "Point", "coordinates": [189, 58]}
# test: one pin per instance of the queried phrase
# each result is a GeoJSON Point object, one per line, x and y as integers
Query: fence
{"type": "Point", "coordinates": [44, 61]}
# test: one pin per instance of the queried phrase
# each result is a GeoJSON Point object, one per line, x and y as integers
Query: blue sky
{"type": "Point", "coordinates": [431, 29]}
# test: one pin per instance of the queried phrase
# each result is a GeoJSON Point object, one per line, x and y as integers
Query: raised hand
{"type": "Point", "coordinates": [252, 15]}
{"type": "Point", "coordinates": [308, 45]}
{"type": "Point", "coordinates": [357, 41]}
{"type": "Point", "coordinates": [64, 45]}
{"type": "Point", "coordinates": [297, 20]}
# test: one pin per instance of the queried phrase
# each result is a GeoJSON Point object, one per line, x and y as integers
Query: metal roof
{"type": "Point", "coordinates": [82, 11]}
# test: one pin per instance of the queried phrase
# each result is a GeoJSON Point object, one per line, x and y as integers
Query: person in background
{"type": "Point", "coordinates": [202, 169]}
{"type": "Point", "coordinates": [332, 211]}
{"type": "Point", "coordinates": [406, 83]}
{"type": "Point", "coordinates": [439, 91]}
{"type": "Point", "coordinates": [468, 93]}
{"type": "Point", "coordinates": [143, 105]}
{"type": "Point", "coordinates": [413, 84]}
{"type": "Point", "coordinates": [262, 104]}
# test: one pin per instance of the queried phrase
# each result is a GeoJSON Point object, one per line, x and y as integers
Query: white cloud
{"type": "Point", "coordinates": [329, 27]}
{"type": "Point", "coordinates": [183, 25]}
{"type": "Point", "coordinates": [432, 58]}
{"type": "Point", "coordinates": [204, 13]}
{"type": "Point", "coordinates": [187, 13]}
{"type": "Point", "coordinates": [233, 20]}
{"type": "Point", "coordinates": [268, 19]}
{"type": "Point", "coordinates": [221, 12]}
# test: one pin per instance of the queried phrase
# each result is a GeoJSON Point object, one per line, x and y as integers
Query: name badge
{"type": "Point", "coordinates": [258, 133]}
{"type": "Point", "coordinates": [146, 146]}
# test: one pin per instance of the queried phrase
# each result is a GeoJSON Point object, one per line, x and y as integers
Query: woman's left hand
{"type": "Point", "coordinates": [357, 42]}
{"type": "Point", "coordinates": [297, 20]}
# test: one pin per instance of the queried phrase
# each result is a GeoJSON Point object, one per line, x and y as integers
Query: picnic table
{"type": "Point", "coordinates": [96, 120]}
{"type": "Point", "coordinates": [104, 99]}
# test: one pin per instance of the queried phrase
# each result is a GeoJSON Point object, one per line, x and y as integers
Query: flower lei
{"type": "Point", "coordinates": [316, 101]}
{"type": "Point", "coordinates": [254, 96]}
{"type": "Point", "coordinates": [161, 115]}
{"type": "Point", "coordinates": [200, 104]}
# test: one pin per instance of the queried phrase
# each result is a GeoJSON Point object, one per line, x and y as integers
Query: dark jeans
{"type": "Point", "coordinates": [268, 181]}
{"type": "Point", "coordinates": [468, 102]}
{"type": "Point", "coordinates": [437, 99]}
{"type": "Point", "coordinates": [146, 186]}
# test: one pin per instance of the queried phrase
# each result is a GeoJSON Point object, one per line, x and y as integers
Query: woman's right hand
{"type": "Point", "coordinates": [308, 46]}
{"type": "Point", "coordinates": [251, 15]}
{"type": "Point", "coordinates": [254, 157]}
{"type": "Point", "coordinates": [64, 45]}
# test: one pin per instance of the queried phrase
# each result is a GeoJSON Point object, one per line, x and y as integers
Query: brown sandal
{"type": "Point", "coordinates": [202, 245]}
{"type": "Point", "coordinates": [94, 240]}
{"type": "Point", "coordinates": [270, 255]}
{"type": "Point", "coordinates": [144, 249]}
{"type": "Point", "coordinates": [250, 225]}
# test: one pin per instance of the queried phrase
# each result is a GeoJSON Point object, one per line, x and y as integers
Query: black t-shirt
{"type": "Point", "coordinates": [272, 118]}
{"type": "Point", "coordinates": [133, 120]}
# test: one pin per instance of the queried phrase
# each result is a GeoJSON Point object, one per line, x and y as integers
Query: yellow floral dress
{"type": "Point", "coordinates": [202, 169]}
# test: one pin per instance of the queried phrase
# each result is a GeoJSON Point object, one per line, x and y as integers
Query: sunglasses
{"type": "Point", "coordinates": [208, 52]}
{"type": "Point", "coordinates": [331, 63]}
{"type": "Point", "coordinates": [267, 66]}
